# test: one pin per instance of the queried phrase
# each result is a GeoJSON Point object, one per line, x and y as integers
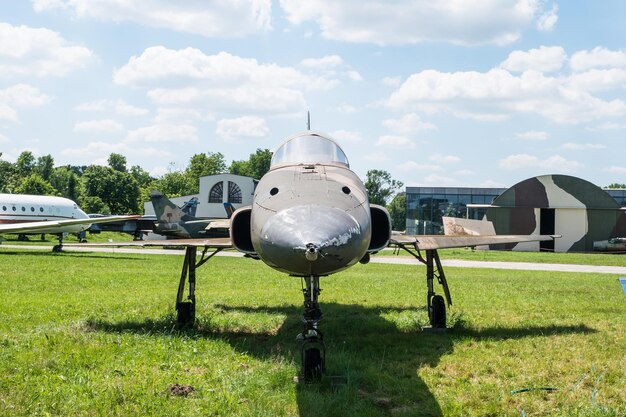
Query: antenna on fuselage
{"type": "Point", "coordinates": [308, 120]}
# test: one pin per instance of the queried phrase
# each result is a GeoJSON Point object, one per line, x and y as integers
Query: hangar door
{"type": "Point", "coordinates": [547, 227]}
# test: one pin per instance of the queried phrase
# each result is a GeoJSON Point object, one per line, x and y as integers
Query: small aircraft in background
{"type": "Point", "coordinates": [24, 214]}
{"type": "Point", "coordinates": [176, 222]}
{"type": "Point", "coordinates": [310, 217]}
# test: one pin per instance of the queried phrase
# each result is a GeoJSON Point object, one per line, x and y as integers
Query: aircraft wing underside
{"type": "Point", "coordinates": [217, 243]}
{"type": "Point", "coordinates": [38, 226]}
{"type": "Point", "coordinates": [430, 242]}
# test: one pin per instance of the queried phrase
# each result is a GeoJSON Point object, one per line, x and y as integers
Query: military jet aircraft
{"type": "Point", "coordinates": [311, 217]}
{"type": "Point", "coordinates": [180, 222]}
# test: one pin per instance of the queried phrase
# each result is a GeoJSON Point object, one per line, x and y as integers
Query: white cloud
{"type": "Point", "coordinates": [173, 115]}
{"type": "Point", "coordinates": [396, 142]}
{"type": "Point", "coordinates": [219, 19]}
{"type": "Point", "coordinates": [408, 124]}
{"type": "Point", "coordinates": [582, 146]}
{"type": "Point", "coordinates": [554, 163]}
{"type": "Point", "coordinates": [26, 51]}
{"type": "Point", "coordinates": [416, 166]}
{"type": "Point", "coordinates": [20, 95]}
{"type": "Point", "coordinates": [347, 109]}
{"type": "Point", "coordinates": [4, 139]}
{"type": "Point", "coordinates": [532, 135]}
{"type": "Point", "coordinates": [354, 76]}
{"type": "Point", "coordinates": [496, 94]}
{"type": "Point", "coordinates": [120, 107]}
{"type": "Point", "coordinates": [458, 22]}
{"type": "Point", "coordinates": [392, 81]}
{"type": "Point", "coordinates": [444, 159]}
{"type": "Point", "coordinates": [547, 20]}
{"type": "Point", "coordinates": [616, 170]}
{"type": "Point", "coordinates": [346, 136]}
{"type": "Point", "coordinates": [221, 82]}
{"type": "Point", "coordinates": [98, 126]}
{"type": "Point", "coordinates": [329, 61]}
{"type": "Point", "coordinates": [242, 127]}
{"type": "Point", "coordinates": [544, 59]}
{"type": "Point", "coordinates": [165, 133]}
{"type": "Point", "coordinates": [598, 57]}
{"type": "Point", "coordinates": [440, 180]}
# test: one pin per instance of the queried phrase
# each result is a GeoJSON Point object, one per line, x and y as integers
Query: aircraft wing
{"type": "Point", "coordinates": [222, 242]}
{"type": "Point", "coordinates": [429, 242]}
{"type": "Point", "coordinates": [34, 227]}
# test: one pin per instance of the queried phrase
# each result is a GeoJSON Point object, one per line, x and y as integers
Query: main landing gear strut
{"type": "Point", "coordinates": [186, 308]}
{"type": "Point", "coordinates": [434, 270]}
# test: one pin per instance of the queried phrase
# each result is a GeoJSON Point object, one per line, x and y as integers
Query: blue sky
{"type": "Point", "coordinates": [446, 93]}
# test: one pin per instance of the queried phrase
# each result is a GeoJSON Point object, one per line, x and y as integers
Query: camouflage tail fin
{"type": "Point", "coordinates": [164, 209]}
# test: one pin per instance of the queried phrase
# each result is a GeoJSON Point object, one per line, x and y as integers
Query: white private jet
{"type": "Point", "coordinates": [36, 214]}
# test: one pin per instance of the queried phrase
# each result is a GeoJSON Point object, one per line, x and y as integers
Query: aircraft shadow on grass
{"type": "Point", "coordinates": [83, 255]}
{"type": "Point", "coordinates": [380, 361]}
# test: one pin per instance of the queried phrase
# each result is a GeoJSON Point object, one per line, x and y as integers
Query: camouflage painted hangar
{"type": "Point", "coordinates": [581, 212]}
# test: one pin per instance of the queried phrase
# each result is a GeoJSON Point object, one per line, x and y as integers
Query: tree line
{"type": "Point", "coordinates": [117, 189]}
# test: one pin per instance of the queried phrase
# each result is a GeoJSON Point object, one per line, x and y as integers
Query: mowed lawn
{"type": "Point", "coordinates": [90, 334]}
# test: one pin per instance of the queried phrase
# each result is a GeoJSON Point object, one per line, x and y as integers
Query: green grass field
{"type": "Point", "coordinates": [93, 334]}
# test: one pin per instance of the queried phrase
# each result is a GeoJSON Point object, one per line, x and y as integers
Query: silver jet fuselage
{"type": "Point", "coordinates": [310, 219]}
{"type": "Point", "coordinates": [310, 214]}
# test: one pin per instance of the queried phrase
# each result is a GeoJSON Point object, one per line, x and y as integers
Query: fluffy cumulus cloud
{"type": "Point", "coordinates": [164, 133]}
{"type": "Point", "coordinates": [458, 22]}
{"type": "Point", "coordinates": [222, 82]}
{"type": "Point", "coordinates": [242, 127]}
{"type": "Point", "coordinates": [521, 84]}
{"type": "Point", "coordinates": [343, 136]}
{"type": "Point", "coordinates": [27, 51]}
{"type": "Point", "coordinates": [408, 124]}
{"type": "Point", "coordinates": [395, 142]}
{"type": "Point", "coordinates": [20, 95]}
{"type": "Point", "coordinates": [598, 57]}
{"type": "Point", "coordinates": [224, 18]}
{"type": "Point", "coordinates": [544, 59]}
{"type": "Point", "coordinates": [582, 146]}
{"type": "Point", "coordinates": [119, 106]}
{"type": "Point", "coordinates": [96, 149]}
{"type": "Point", "coordinates": [532, 135]}
{"type": "Point", "coordinates": [554, 163]}
{"type": "Point", "coordinates": [98, 126]}
{"type": "Point", "coordinates": [444, 159]}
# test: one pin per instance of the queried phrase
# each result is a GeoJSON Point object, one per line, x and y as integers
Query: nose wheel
{"type": "Point", "coordinates": [312, 348]}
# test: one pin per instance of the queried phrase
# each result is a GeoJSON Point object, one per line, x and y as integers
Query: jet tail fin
{"type": "Point", "coordinates": [164, 209]}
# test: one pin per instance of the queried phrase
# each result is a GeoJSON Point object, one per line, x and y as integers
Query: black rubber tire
{"type": "Point", "coordinates": [186, 314]}
{"type": "Point", "coordinates": [438, 312]}
{"type": "Point", "coordinates": [57, 248]}
{"type": "Point", "coordinates": [313, 364]}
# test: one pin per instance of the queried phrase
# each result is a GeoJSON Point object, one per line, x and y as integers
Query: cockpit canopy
{"type": "Point", "coordinates": [309, 147]}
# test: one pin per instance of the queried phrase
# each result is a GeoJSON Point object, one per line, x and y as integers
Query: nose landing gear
{"type": "Point", "coordinates": [312, 348]}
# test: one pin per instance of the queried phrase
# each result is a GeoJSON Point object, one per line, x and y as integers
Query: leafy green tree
{"type": "Point", "coordinates": [201, 165]}
{"type": "Point", "coordinates": [65, 181]}
{"type": "Point", "coordinates": [117, 162]}
{"type": "Point", "coordinates": [616, 185]}
{"type": "Point", "coordinates": [8, 173]}
{"type": "Point", "coordinates": [256, 166]}
{"type": "Point", "coordinates": [92, 204]}
{"type": "Point", "coordinates": [173, 184]}
{"type": "Point", "coordinates": [380, 187]}
{"type": "Point", "coordinates": [118, 190]}
{"type": "Point", "coordinates": [34, 184]}
{"type": "Point", "coordinates": [45, 166]}
{"type": "Point", "coordinates": [25, 164]}
{"type": "Point", "coordinates": [397, 211]}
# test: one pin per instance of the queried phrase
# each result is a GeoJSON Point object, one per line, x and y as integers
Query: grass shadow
{"type": "Point", "coordinates": [380, 362]}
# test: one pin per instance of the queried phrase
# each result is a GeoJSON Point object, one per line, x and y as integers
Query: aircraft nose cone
{"type": "Point", "coordinates": [311, 240]}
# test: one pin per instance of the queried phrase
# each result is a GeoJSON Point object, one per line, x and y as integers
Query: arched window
{"type": "Point", "coordinates": [234, 193]}
{"type": "Point", "coordinates": [216, 195]}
